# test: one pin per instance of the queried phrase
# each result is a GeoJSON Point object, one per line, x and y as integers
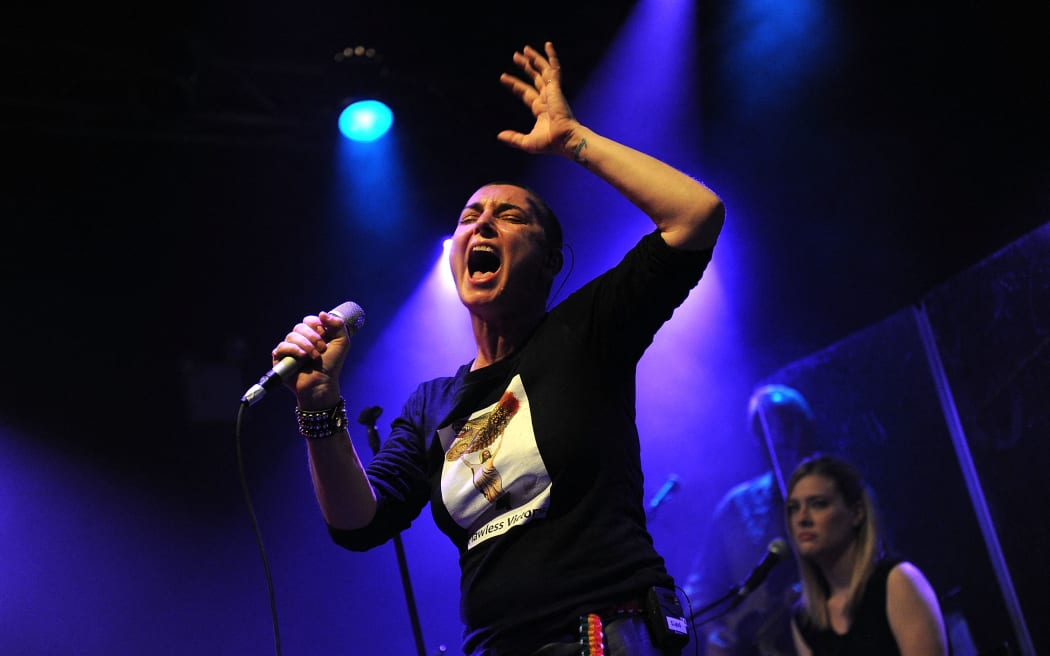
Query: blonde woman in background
{"type": "Point", "coordinates": [857, 598]}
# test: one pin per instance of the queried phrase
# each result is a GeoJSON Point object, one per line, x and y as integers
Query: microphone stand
{"type": "Point", "coordinates": [721, 600]}
{"type": "Point", "coordinates": [368, 418]}
{"type": "Point", "coordinates": [740, 591]}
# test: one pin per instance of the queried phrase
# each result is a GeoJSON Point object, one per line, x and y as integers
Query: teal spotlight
{"type": "Point", "coordinates": [359, 75]}
{"type": "Point", "coordinates": [365, 120]}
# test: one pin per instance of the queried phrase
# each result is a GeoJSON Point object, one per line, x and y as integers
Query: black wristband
{"type": "Point", "coordinates": [319, 424]}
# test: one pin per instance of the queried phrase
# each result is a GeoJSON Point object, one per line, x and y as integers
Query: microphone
{"type": "Point", "coordinates": [353, 316]}
{"type": "Point", "coordinates": [665, 490]}
{"type": "Point", "coordinates": [776, 551]}
{"type": "Point", "coordinates": [368, 418]}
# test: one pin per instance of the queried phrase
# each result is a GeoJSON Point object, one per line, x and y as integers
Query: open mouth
{"type": "Point", "coordinates": [482, 260]}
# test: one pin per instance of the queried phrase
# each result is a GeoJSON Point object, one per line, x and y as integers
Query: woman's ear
{"type": "Point", "coordinates": [554, 261]}
{"type": "Point", "coordinates": [858, 515]}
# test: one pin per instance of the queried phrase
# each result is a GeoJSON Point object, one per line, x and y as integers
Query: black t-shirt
{"type": "Point", "coordinates": [532, 465]}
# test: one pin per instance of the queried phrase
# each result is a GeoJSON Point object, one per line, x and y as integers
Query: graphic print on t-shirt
{"type": "Point", "coordinates": [493, 478]}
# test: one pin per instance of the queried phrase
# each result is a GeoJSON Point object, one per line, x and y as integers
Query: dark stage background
{"type": "Point", "coordinates": [174, 198]}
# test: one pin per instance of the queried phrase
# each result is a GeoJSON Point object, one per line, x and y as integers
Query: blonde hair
{"type": "Point", "coordinates": [869, 543]}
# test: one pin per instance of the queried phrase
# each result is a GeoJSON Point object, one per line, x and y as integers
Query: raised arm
{"type": "Point", "coordinates": [688, 214]}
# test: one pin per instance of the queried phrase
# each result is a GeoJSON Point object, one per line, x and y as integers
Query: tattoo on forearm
{"type": "Point", "coordinates": [577, 152]}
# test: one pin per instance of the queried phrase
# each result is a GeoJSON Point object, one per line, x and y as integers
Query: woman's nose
{"type": "Point", "coordinates": [486, 224]}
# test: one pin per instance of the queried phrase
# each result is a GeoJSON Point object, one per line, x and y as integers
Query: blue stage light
{"type": "Point", "coordinates": [365, 120]}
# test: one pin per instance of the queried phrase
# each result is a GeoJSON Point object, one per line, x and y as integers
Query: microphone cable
{"type": "Point", "coordinates": [692, 626]}
{"type": "Point", "coordinates": [714, 617]}
{"type": "Point", "coordinates": [255, 528]}
{"type": "Point", "coordinates": [694, 617]}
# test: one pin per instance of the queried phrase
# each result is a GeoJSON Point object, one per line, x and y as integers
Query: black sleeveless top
{"type": "Point", "coordinates": [869, 634]}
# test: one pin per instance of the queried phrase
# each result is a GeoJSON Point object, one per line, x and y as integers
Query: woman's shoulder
{"type": "Point", "coordinates": [908, 587]}
{"type": "Point", "coordinates": [904, 575]}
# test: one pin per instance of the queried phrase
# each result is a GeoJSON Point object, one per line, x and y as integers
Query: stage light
{"type": "Point", "coordinates": [363, 79]}
{"type": "Point", "coordinates": [365, 120]}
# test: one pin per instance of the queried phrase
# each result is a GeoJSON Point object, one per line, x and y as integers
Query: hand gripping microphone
{"type": "Point", "coordinates": [776, 552]}
{"type": "Point", "coordinates": [353, 316]}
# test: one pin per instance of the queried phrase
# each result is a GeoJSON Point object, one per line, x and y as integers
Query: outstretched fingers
{"type": "Point", "coordinates": [526, 92]}
{"type": "Point", "coordinates": [538, 87]}
{"type": "Point", "coordinates": [542, 69]}
{"type": "Point", "coordinates": [524, 61]}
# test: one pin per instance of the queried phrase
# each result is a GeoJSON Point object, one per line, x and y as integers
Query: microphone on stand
{"type": "Point", "coordinates": [775, 553]}
{"type": "Point", "coordinates": [368, 418]}
{"type": "Point", "coordinates": [669, 486]}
